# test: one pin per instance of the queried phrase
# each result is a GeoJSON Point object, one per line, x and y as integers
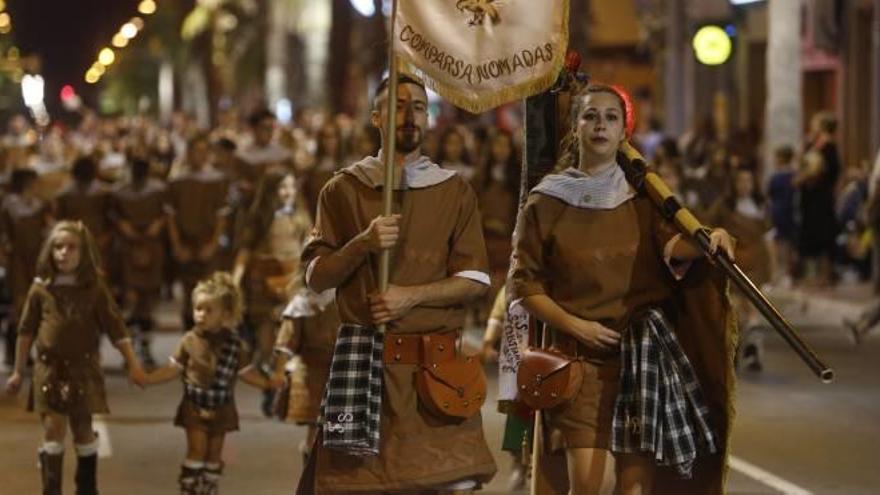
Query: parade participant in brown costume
{"type": "Point", "coordinates": [599, 266]}
{"type": "Point", "coordinates": [497, 187]}
{"type": "Point", "coordinates": [328, 158]}
{"type": "Point", "coordinates": [24, 219]}
{"type": "Point", "coordinates": [137, 208]}
{"type": "Point", "coordinates": [210, 356]}
{"type": "Point", "coordinates": [440, 264]}
{"type": "Point", "coordinates": [197, 216]}
{"type": "Point", "coordinates": [68, 308]}
{"type": "Point", "coordinates": [742, 213]}
{"type": "Point", "coordinates": [268, 258]}
{"type": "Point", "coordinates": [303, 351]}
{"type": "Point", "coordinates": [86, 199]}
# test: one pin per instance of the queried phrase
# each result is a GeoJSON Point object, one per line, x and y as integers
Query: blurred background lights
{"type": "Point", "coordinates": [365, 8]}
{"type": "Point", "coordinates": [129, 30]}
{"type": "Point", "coordinates": [147, 7]}
{"type": "Point", "coordinates": [32, 87]}
{"type": "Point", "coordinates": [712, 45]}
{"type": "Point", "coordinates": [119, 41]}
{"type": "Point", "coordinates": [106, 57]}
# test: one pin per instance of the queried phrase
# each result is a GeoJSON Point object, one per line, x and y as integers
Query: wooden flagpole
{"type": "Point", "coordinates": [390, 149]}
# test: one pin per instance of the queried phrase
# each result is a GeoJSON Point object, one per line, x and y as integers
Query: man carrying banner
{"type": "Point", "coordinates": [439, 265]}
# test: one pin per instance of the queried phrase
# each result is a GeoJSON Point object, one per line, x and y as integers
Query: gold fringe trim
{"type": "Point", "coordinates": [482, 103]}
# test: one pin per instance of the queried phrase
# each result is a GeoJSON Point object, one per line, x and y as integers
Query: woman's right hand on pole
{"type": "Point", "coordinates": [383, 232]}
{"type": "Point", "coordinates": [593, 334]}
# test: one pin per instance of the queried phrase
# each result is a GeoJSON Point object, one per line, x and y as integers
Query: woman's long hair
{"type": "Point", "coordinates": [512, 167]}
{"type": "Point", "coordinates": [88, 272]}
{"type": "Point", "coordinates": [441, 149]}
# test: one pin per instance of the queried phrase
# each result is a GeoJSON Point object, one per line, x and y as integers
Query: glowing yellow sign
{"type": "Point", "coordinates": [712, 45]}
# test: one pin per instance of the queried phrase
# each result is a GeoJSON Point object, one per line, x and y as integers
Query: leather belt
{"type": "Point", "coordinates": [421, 348]}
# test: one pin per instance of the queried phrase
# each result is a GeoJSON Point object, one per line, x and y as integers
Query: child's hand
{"type": "Point", "coordinates": [137, 376]}
{"type": "Point", "coordinates": [277, 381]}
{"type": "Point", "coordinates": [13, 383]}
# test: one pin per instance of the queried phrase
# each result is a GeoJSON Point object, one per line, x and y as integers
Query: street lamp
{"type": "Point", "coordinates": [32, 87]}
{"type": "Point", "coordinates": [106, 57]}
{"type": "Point", "coordinates": [128, 30]}
{"type": "Point", "coordinates": [119, 41]}
{"type": "Point", "coordinates": [712, 45]}
{"type": "Point", "coordinates": [147, 7]}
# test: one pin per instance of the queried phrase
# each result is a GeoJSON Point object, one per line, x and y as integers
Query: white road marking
{"type": "Point", "coordinates": [767, 478]}
{"type": "Point", "coordinates": [105, 448]}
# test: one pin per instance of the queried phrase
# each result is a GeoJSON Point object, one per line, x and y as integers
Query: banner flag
{"type": "Point", "coordinates": [479, 54]}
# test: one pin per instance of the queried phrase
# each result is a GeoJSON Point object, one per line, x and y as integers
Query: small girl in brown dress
{"type": "Point", "coordinates": [67, 309]}
{"type": "Point", "coordinates": [210, 357]}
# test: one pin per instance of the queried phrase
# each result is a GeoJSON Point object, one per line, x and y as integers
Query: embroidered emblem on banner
{"type": "Point", "coordinates": [479, 9]}
{"type": "Point", "coordinates": [479, 54]}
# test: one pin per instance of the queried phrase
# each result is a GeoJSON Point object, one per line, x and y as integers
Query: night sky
{"type": "Point", "coordinates": [67, 35]}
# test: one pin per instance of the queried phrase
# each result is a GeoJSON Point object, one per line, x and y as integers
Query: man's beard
{"type": "Point", "coordinates": [409, 139]}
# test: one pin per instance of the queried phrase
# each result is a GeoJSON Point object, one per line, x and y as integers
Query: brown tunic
{"type": "Point", "coordinates": [89, 205]}
{"type": "Point", "coordinates": [498, 209]}
{"type": "Point", "coordinates": [273, 262]}
{"type": "Point", "coordinates": [602, 265]}
{"type": "Point", "coordinates": [197, 354]}
{"type": "Point", "coordinates": [23, 224]}
{"type": "Point", "coordinates": [440, 236]}
{"type": "Point", "coordinates": [66, 322]}
{"type": "Point", "coordinates": [142, 258]}
{"type": "Point", "coordinates": [313, 339]}
{"type": "Point", "coordinates": [599, 265]}
{"type": "Point", "coordinates": [197, 202]}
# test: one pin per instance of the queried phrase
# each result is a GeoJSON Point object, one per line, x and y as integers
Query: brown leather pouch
{"type": "Point", "coordinates": [450, 385]}
{"type": "Point", "coordinates": [547, 378]}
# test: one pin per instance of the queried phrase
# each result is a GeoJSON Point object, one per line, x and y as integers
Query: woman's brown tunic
{"type": "Point", "coordinates": [142, 258]}
{"type": "Point", "coordinates": [66, 322]}
{"type": "Point", "coordinates": [274, 261]}
{"type": "Point", "coordinates": [23, 223]}
{"type": "Point", "coordinates": [599, 265]}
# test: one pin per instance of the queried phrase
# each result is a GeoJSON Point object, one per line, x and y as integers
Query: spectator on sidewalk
{"type": "Point", "coordinates": [781, 193]}
{"type": "Point", "coordinates": [816, 181]}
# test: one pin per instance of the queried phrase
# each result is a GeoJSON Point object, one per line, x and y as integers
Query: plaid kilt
{"type": "Point", "coordinates": [660, 408]}
{"type": "Point", "coordinates": [352, 403]}
{"type": "Point", "coordinates": [220, 391]}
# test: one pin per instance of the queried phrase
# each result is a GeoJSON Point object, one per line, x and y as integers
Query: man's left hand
{"type": "Point", "coordinates": [392, 305]}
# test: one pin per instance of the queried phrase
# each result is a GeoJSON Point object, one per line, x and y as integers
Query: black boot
{"type": "Point", "coordinates": [50, 471]}
{"type": "Point", "coordinates": [211, 479]}
{"type": "Point", "coordinates": [189, 480]}
{"type": "Point", "coordinates": [86, 474]}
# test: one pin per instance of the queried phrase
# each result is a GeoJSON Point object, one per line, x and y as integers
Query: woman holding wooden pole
{"type": "Point", "coordinates": [614, 281]}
